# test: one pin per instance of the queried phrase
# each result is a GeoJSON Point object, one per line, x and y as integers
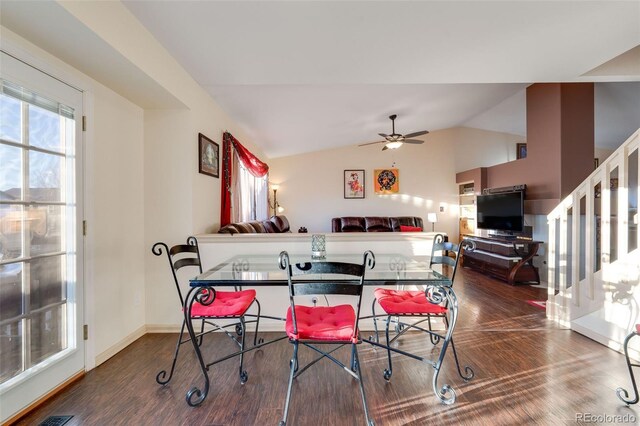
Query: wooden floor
{"type": "Point", "coordinates": [527, 372]}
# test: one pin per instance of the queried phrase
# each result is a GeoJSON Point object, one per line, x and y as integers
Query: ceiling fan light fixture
{"type": "Point", "coordinates": [396, 140]}
{"type": "Point", "coordinates": [394, 145]}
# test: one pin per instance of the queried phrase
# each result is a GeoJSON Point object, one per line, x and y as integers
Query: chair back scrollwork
{"type": "Point", "coordinates": [325, 278]}
{"type": "Point", "coordinates": [446, 253]}
{"type": "Point", "coordinates": [180, 256]}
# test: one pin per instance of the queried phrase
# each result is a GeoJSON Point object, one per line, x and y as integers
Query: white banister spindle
{"type": "Point", "coordinates": [597, 300]}
{"type": "Point", "coordinates": [623, 202]}
{"type": "Point", "coordinates": [562, 259]}
{"type": "Point", "coordinates": [552, 302]}
{"type": "Point", "coordinates": [575, 248]}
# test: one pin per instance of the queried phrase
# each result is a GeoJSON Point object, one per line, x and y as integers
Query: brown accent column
{"type": "Point", "coordinates": [478, 176]}
{"type": "Point", "coordinates": [560, 145]}
{"type": "Point", "coordinates": [578, 140]}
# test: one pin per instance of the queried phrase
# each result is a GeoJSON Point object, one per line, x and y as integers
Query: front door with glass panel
{"type": "Point", "coordinates": [41, 293]}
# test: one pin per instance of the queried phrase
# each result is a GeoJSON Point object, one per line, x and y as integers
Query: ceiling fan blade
{"type": "Point", "coordinates": [414, 134]}
{"type": "Point", "coordinates": [415, 141]}
{"type": "Point", "coordinates": [383, 135]}
{"type": "Point", "coordinates": [372, 143]}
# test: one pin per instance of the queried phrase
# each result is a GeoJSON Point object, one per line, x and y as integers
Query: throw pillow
{"type": "Point", "coordinates": [404, 228]}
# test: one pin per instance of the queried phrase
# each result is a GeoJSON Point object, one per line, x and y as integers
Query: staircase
{"type": "Point", "coordinates": [593, 258]}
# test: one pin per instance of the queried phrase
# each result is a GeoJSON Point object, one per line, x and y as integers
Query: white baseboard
{"type": "Point", "coordinates": [105, 355]}
{"type": "Point", "coordinates": [163, 328]}
{"type": "Point", "coordinates": [267, 325]}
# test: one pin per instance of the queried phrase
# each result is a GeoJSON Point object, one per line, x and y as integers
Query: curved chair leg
{"type": "Point", "coordinates": [469, 373]}
{"type": "Point", "coordinates": [621, 392]}
{"type": "Point", "coordinates": [399, 325]}
{"type": "Point", "coordinates": [160, 377]}
{"type": "Point", "coordinates": [375, 321]}
{"type": "Point", "coordinates": [293, 366]}
{"type": "Point", "coordinates": [195, 395]}
{"type": "Point", "coordinates": [357, 370]}
{"type": "Point", "coordinates": [257, 340]}
{"type": "Point", "coordinates": [468, 370]}
{"type": "Point", "coordinates": [201, 333]}
{"type": "Point", "coordinates": [389, 371]}
{"type": "Point", "coordinates": [446, 394]}
{"type": "Point", "coordinates": [243, 374]}
{"type": "Point", "coordinates": [353, 358]}
{"type": "Point", "coordinates": [433, 338]}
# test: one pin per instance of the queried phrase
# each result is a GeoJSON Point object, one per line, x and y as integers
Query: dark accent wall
{"type": "Point", "coordinates": [578, 140]}
{"type": "Point", "coordinates": [560, 146]}
{"type": "Point", "coordinates": [478, 176]}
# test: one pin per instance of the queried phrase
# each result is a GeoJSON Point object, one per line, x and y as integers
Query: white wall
{"type": "Point", "coordinates": [115, 215]}
{"type": "Point", "coordinates": [178, 201]}
{"type": "Point", "coordinates": [474, 148]}
{"type": "Point", "coordinates": [602, 154]}
{"type": "Point", "coordinates": [311, 185]}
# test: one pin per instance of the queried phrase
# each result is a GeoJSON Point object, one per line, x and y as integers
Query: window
{"type": "Point", "coordinates": [37, 229]}
{"type": "Point", "coordinates": [251, 199]}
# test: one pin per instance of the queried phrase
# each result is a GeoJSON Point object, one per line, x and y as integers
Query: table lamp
{"type": "Point", "coordinates": [433, 218]}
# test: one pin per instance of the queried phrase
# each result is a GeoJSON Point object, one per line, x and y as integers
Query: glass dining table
{"type": "Point", "coordinates": [263, 270]}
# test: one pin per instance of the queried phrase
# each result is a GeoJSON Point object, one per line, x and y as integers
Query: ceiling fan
{"type": "Point", "coordinates": [395, 140]}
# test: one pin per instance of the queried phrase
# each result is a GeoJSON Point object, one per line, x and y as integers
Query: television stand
{"type": "Point", "coordinates": [507, 258]}
{"type": "Point", "coordinates": [504, 237]}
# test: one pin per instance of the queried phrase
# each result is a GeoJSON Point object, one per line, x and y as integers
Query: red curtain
{"type": "Point", "coordinates": [248, 160]}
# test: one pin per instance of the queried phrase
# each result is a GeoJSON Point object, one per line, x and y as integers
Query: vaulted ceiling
{"type": "Point", "coordinates": [303, 76]}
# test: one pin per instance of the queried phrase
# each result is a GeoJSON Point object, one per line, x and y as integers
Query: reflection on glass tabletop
{"type": "Point", "coordinates": [264, 270]}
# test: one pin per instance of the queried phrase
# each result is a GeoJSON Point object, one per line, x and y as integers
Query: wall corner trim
{"type": "Point", "coordinates": [126, 341]}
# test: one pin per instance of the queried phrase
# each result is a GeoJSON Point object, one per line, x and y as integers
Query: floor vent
{"type": "Point", "coordinates": [55, 420]}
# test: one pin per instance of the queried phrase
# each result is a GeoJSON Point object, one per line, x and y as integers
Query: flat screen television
{"type": "Point", "coordinates": [501, 212]}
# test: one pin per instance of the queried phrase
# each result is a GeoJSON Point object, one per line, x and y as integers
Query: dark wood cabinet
{"type": "Point", "coordinates": [508, 259]}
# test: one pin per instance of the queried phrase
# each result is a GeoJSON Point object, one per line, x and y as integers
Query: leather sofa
{"type": "Point", "coordinates": [374, 223]}
{"type": "Point", "coordinates": [275, 225]}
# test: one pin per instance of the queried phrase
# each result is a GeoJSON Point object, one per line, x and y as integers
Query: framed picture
{"type": "Point", "coordinates": [354, 184]}
{"type": "Point", "coordinates": [386, 181]}
{"type": "Point", "coordinates": [521, 150]}
{"type": "Point", "coordinates": [208, 156]}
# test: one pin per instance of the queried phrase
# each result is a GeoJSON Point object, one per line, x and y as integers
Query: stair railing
{"type": "Point", "coordinates": [593, 256]}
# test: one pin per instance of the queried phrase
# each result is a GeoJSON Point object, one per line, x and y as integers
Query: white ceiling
{"type": "Point", "coordinates": [303, 76]}
{"type": "Point", "coordinates": [41, 22]}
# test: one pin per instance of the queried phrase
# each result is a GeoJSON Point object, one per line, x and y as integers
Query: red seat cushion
{"type": "Point", "coordinates": [405, 228]}
{"type": "Point", "coordinates": [404, 302]}
{"type": "Point", "coordinates": [638, 328]}
{"type": "Point", "coordinates": [226, 304]}
{"type": "Point", "coordinates": [328, 323]}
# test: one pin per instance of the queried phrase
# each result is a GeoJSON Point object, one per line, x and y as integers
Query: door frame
{"type": "Point", "coordinates": [56, 69]}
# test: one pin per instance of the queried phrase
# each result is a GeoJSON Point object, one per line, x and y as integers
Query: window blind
{"type": "Point", "coordinates": [25, 95]}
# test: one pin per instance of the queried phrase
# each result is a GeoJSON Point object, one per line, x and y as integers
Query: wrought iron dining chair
{"type": "Point", "coordinates": [621, 392]}
{"type": "Point", "coordinates": [399, 305]}
{"type": "Point", "coordinates": [226, 305]}
{"type": "Point", "coordinates": [317, 325]}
